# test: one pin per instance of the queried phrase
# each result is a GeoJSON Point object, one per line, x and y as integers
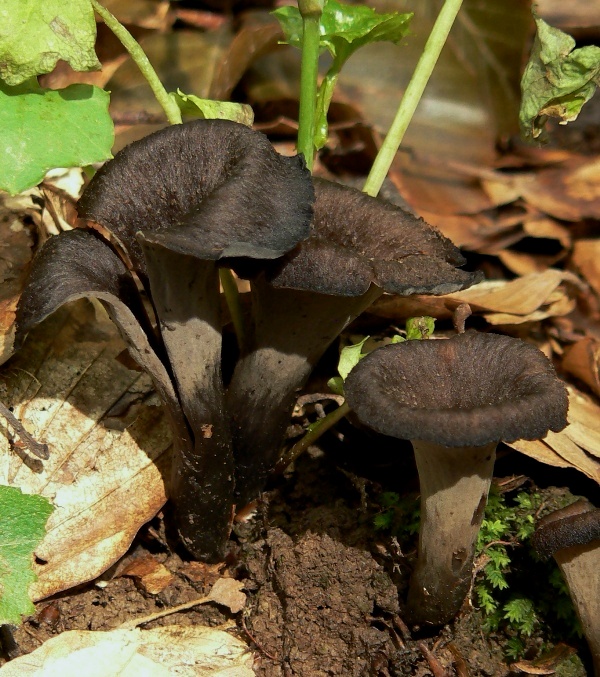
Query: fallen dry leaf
{"type": "Point", "coordinates": [586, 257]}
{"type": "Point", "coordinates": [190, 651]}
{"type": "Point", "coordinates": [152, 576]}
{"type": "Point", "coordinates": [577, 446]}
{"type": "Point", "coordinates": [582, 359]}
{"type": "Point", "coordinates": [570, 191]}
{"type": "Point", "coordinates": [530, 298]}
{"type": "Point", "coordinates": [105, 482]}
{"type": "Point", "coordinates": [228, 592]}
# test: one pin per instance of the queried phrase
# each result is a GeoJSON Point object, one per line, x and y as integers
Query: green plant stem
{"type": "Point", "coordinates": [138, 55]}
{"type": "Point", "coordinates": [314, 432]}
{"type": "Point", "coordinates": [173, 114]}
{"type": "Point", "coordinates": [308, 85]}
{"type": "Point", "coordinates": [412, 96]}
{"type": "Point", "coordinates": [232, 296]}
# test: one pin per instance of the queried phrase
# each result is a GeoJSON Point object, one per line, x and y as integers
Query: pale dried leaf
{"type": "Point", "coordinates": [577, 446]}
{"type": "Point", "coordinates": [523, 264]}
{"type": "Point", "coordinates": [582, 359]}
{"type": "Point", "coordinates": [150, 575]}
{"type": "Point", "coordinates": [586, 257]}
{"type": "Point", "coordinates": [190, 651]}
{"type": "Point", "coordinates": [104, 482]}
{"type": "Point", "coordinates": [570, 191]}
{"type": "Point", "coordinates": [228, 592]}
{"type": "Point", "coordinates": [540, 451]}
{"type": "Point", "coordinates": [529, 298]}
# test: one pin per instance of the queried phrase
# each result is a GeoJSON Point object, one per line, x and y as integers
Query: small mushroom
{"type": "Point", "coordinates": [572, 536]}
{"type": "Point", "coordinates": [360, 247]}
{"type": "Point", "coordinates": [180, 201]}
{"type": "Point", "coordinates": [455, 399]}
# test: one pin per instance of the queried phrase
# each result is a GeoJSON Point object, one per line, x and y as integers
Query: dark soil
{"type": "Point", "coordinates": [322, 586]}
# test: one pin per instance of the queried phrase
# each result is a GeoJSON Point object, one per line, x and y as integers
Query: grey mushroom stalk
{"type": "Point", "coordinates": [572, 536]}
{"type": "Point", "coordinates": [360, 247]}
{"type": "Point", "coordinates": [455, 399]}
{"type": "Point", "coordinates": [178, 202]}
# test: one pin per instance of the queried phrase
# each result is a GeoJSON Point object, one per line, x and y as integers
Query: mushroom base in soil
{"type": "Point", "coordinates": [453, 495]}
{"type": "Point", "coordinates": [455, 399]}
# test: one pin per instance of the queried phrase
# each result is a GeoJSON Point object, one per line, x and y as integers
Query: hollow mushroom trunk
{"type": "Point", "coordinates": [185, 293]}
{"type": "Point", "coordinates": [456, 399]}
{"type": "Point", "coordinates": [292, 331]}
{"type": "Point", "coordinates": [454, 499]}
{"type": "Point", "coordinates": [360, 247]}
{"type": "Point", "coordinates": [572, 536]}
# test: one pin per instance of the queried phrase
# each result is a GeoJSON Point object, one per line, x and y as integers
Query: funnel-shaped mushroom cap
{"type": "Point", "coordinates": [358, 240]}
{"type": "Point", "coordinates": [577, 524]}
{"type": "Point", "coordinates": [470, 390]}
{"type": "Point", "coordinates": [208, 188]}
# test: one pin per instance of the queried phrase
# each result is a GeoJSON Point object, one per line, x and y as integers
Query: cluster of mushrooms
{"type": "Point", "coordinates": [192, 198]}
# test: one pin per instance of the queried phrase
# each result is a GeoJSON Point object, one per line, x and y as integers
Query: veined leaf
{"type": "Point", "coordinates": [345, 28]}
{"type": "Point", "coordinates": [35, 34]}
{"type": "Point", "coordinates": [45, 129]}
{"type": "Point", "coordinates": [557, 81]}
{"type": "Point", "coordinates": [207, 109]}
{"type": "Point", "coordinates": [23, 519]}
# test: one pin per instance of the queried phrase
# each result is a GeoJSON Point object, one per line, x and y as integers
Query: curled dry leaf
{"type": "Point", "coordinates": [570, 191]}
{"type": "Point", "coordinates": [533, 297]}
{"type": "Point", "coordinates": [152, 576]}
{"type": "Point", "coordinates": [582, 359]}
{"type": "Point", "coordinates": [228, 592]}
{"type": "Point", "coordinates": [586, 257]}
{"type": "Point", "coordinates": [171, 650]}
{"type": "Point", "coordinates": [104, 483]}
{"type": "Point", "coordinates": [577, 446]}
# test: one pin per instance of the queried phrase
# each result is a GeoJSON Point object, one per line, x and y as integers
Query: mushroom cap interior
{"type": "Point", "coordinates": [208, 188]}
{"type": "Point", "coordinates": [358, 240]}
{"type": "Point", "coordinates": [469, 390]}
{"type": "Point", "coordinates": [577, 524]}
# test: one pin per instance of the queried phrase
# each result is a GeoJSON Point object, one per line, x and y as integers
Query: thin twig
{"type": "Point", "coordinates": [38, 449]}
{"type": "Point", "coordinates": [436, 667]}
{"type": "Point", "coordinates": [134, 622]}
{"type": "Point", "coordinates": [259, 646]}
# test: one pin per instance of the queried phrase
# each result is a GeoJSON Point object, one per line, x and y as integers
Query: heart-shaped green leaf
{"type": "Point", "coordinates": [35, 34]}
{"type": "Point", "coordinates": [45, 129]}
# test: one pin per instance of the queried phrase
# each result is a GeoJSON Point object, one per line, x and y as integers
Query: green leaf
{"type": "Point", "coordinates": [45, 129]}
{"type": "Point", "coordinates": [336, 385]}
{"type": "Point", "coordinates": [349, 358]}
{"type": "Point", "coordinates": [557, 81]}
{"type": "Point", "coordinates": [419, 327]}
{"type": "Point", "coordinates": [35, 34]}
{"type": "Point", "coordinates": [23, 519]}
{"type": "Point", "coordinates": [345, 28]}
{"type": "Point", "coordinates": [194, 107]}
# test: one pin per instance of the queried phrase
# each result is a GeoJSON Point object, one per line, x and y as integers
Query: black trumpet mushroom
{"type": "Point", "coordinates": [359, 247]}
{"type": "Point", "coordinates": [179, 202]}
{"type": "Point", "coordinates": [572, 536]}
{"type": "Point", "coordinates": [455, 400]}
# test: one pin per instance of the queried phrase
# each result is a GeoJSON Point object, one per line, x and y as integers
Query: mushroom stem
{"type": "Point", "coordinates": [185, 292]}
{"type": "Point", "coordinates": [453, 499]}
{"type": "Point", "coordinates": [580, 566]}
{"type": "Point", "coordinates": [292, 331]}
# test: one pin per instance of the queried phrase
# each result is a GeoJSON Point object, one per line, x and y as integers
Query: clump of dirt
{"type": "Point", "coordinates": [318, 605]}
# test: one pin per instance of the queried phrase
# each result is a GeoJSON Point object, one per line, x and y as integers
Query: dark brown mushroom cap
{"type": "Point", "coordinates": [208, 188]}
{"type": "Point", "coordinates": [358, 240]}
{"type": "Point", "coordinates": [72, 265]}
{"type": "Point", "coordinates": [469, 390]}
{"type": "Point", "coordinates": [577, 524]}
